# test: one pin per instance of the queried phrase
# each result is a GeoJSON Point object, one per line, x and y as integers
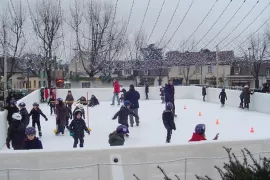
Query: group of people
{"type": "Point", "coordinates": [45, 93]}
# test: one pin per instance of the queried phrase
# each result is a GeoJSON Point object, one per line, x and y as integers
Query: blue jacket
{"type": "Point", "coordinates": [169, 93]}
{"type": "Point", "coordinates": [133, 96]}
{"type": "Point", "coordinates": [33, 144]}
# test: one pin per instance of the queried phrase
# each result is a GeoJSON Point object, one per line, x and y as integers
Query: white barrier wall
{"type": "Point", "coordinates": [183, 160]}
{"type": "Point", "coordinates": [3, 128]}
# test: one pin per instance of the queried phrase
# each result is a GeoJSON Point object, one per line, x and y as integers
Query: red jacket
{"type": "Point", "coordinates": [197, 137]}
{"type": "Point", "coordinates": [116, 87]}
{"type": "Point", "coordinates": [46, 93]}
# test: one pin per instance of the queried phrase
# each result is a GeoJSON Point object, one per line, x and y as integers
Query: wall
{"type": "Point", "coordinates": [3, 128]}
{"type": "Point", "coordinates": [99, 84]}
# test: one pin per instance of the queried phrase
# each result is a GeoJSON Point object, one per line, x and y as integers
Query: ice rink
{"type": "Point", "coordinates": [234, 124]}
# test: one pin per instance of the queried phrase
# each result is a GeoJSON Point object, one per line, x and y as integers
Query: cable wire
{"type": "Point", "coordinates": [246, 27]}
{"type": "Point", "coordinates": [213, 24]}
{"type": "Point", "coordinates": [170, 22]}
{"type": "Point", "coordinates": [225, 24]}
{"type": "Point", "coordinates": [144, 16]}
{"type": "Point", "coordinates": [156, 21]}
{"type": "Point", "coordinates": [239, 23]}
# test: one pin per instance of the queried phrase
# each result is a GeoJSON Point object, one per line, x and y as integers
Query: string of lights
{"type": "Point", "coordinates": [144, 16]}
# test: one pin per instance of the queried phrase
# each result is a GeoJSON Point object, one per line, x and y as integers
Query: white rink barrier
{"type": "Point", "coordinates": [186, 161]}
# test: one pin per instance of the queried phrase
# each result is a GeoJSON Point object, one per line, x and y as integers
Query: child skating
{"type": "Point", "coordinates": [24, 113]}
{"type": "Point", "coordinates": [199, 134]}
{"type": "Point", "coordinates": [77, 128]}
{"type": "Point", "coordinates": [32, 142]}
{"type": "Point", "coordinates": [117, 137]}
{"type": "Point", "coordinates": [168, 121]}
{"type": "Point", "coordinates": [222, 97]}
{"type": "Point", "coordinates": [35, 113]}
{"type": "Point", "coordinates": [51, 103]}
{"type": "Point", "coordinates": [79, 107]}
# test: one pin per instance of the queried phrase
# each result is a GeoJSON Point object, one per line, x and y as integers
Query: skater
{"type": "Point", "coordinates": [77, 128]}
{"type": "Point", "coordinates": [241, 105]}
{"type": "Point", "coordinates": [199, 134]}
{"type": "Point", "coordinates": [169, 94]}
{"type": "Point", "coordinates": [24, 113]}
{"type": "Point", "coordinates": [82, 100]}
{"type": "Point", "coordinates": [168, 121]}
{"type": "Point", "coordinates": [42, 94]}
{"type": "Point", "coordinates": [11, 109]}
{"type": "Point", "coordinates": [35, 113]}
{"type": "Point", "coordinates": [204, 92]}
{"type": "Point", "coordinates": [247, 93]}
{"type": "Point", "coordinates": [51, 103]}
{"type": "Point", "coordinates": [16, 133]}
{"type": "Point", "coordinates": [123, 113]}
{"type": "Point", "coordinates": [222, 97]}
{"type": "Point", "coordinates": [122, 98]}
{"type": "Point", "coordinates": [46, 94]}
{"type": "Point", "coordinates": [32, 142]}
{"type": "Point", "coordinates": [69, 102]}
{"type": "Point", "coordinates": [62, 117]}
{"type": "Point", "coordinates": [133, 97]}
{"type": "Point", "coordinates": [79, 107]}
{"type": "Point", "coordinates": [93, 101]}
{"type": "Point", "coordinates": [116, 87]}
{"type": "Point", "coordinates": [117, 137]}
{"type": "Point", "coordinates": [162, 94]}
{"type": "Point", "coordinates": [146, 91]}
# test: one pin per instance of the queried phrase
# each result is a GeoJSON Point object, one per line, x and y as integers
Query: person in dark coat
{"type": "Point", "coordinates": [117, 138]}
{"type": "Point", "coordinates": [77, 128]}
{"type": "Point", "coordinates": [204, 92]}
{"type": "Point", "coordinates": [169, 94]}
{"type": "Point", "coordinates": [146, 90]}
{"type": "Point", "coordinates": [79, 107]}
{"type": "Point", "coordinates": [133, 97]}
{"type": "Point", "coordinates": [162, 95]}
{"type": "Point", "coordinates": [122, 98]}
{"type": "Point", "coordinates": [222, 97]}
{"type": "Point", "coordinates": [62, 116]}
{"type": "Point", "coordinates": [35, 113]}
{"type": "Point", "coordinates": [168, 121]}
{"type": "Point", "coordinates": [32, 142]}
{"type": "Point", "coordinates": [123, 113]}
{"type": "Point", "coordinates": [24, 113]}
{"type": "Point", "coordinates": [16, 133]}
{"type": "Point", "coordinates": [93, 101]}
{"type": "Point", "coordinates": [69, 101]}
{"type": "Point", "coordinates": [11, 109]}
{"type": "Point", "coordinates": [42, 94]}
{"type": "Point", "coordinates": [241, 105]}
{"type": "Point", "coordinates": [51, 103]}
{"type": "Point", "coordinates": [247, 94]}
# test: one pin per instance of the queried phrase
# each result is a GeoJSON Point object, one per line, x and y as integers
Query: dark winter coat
{"type": "Point", "coordinates": [222, 96]}
{"type": "Point", "coordinates": [77, 127]}
{"type": "Point", "coordinates": [16, 134]}
{"type": "Point", "coordinates": [61, 115]}
{"type": "Point", "coordinates": [11, 111]}
{"type": "Point", "coordinates": [169, 93]}
{"type": "Point", "coordinates": [25, 116]}
{"type": "Point", "coordinates": [247, 93]}
{"type": "Point", "coordinates": [124, 91]}
{"type": "Point", "coordinates": [204, 91]}
{"type": "Point", "coordinates": [69, 99]}
{"type": "Point", "coordinates": [168, 120]}
{"type": "Point", "coordinates": [146, 88]}
{"type": "Point", "coordinates": [162, 92]}
{"type": "Point", "coordinates": [93, 101]}
{"type": "Point", "coordinates": [42, 92]}
{"type": "Point", "coordinates": [33, 144]}
{"type": "Point", "coordinates": [116, 139]}
{"type": "Point", "coordinates": [133, 96]}
{"type": "Point", "coordinates": [51, 102]}
{"type": "Point", "coordinates": [35, 113]}
{"type": "Point", "coordinates": [122, 115]}
{"type": "Point", "coordinates": [83, 112]}
{"type": "Point", "coordinates": [242, 94]}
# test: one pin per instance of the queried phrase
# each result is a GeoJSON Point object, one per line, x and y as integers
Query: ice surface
{"type": "Point", "coordinates": [234, 124]}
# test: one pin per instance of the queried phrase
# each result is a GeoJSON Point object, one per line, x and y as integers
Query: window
{"type": "Point", "coordinates": [44, 74]}
{"type": "Point", "coordinates": [35, 84]}
{"type": "Point", "coordinates": [39, 84]}
{"type": "Point", "coordinates": [39, 74]}
{"type": "Point", "coordinates": [180, 70]}
{"type": "Point", "coordinates": [236, 70]}
{"type": "Point", "coordinates": [44, 83]}
{"type": "Point", "coordinates": [127, 72]}
{"type": "Point", "coordinates": [198, 69]}
{"type": "Point", "coordinates": [267, 73]}
{"type": "Point", "coordinates": [210, 69]}
{"type": "Point", "coordinates": [86, 84]}
{"type": "Point", "coordinates": [145, 72]}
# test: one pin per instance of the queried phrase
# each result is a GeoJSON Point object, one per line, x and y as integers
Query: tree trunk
{"type": "Point", "coordinates": [257, 82]}
{"type": "Point", "coordinates": [159, 81]}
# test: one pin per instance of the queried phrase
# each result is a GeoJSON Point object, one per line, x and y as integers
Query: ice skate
{"type": "Point", "coordinates": [168, 141]}
{"type": "Point", "coordinates": [127, 135]}
{"type": "Point", "coordinates": [131, 125]}
{"type": "Point", "coordinates": [137, 124]}
{"type": "Point", "coordinates": [40, 134]}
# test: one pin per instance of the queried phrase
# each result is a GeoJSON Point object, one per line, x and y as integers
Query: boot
{"type": "Point", "coordinates": [137, 124]}
{"type": "Point", "coordinates": [81, 145]}
{"type": "Point", "coordinates": [131, 125]}
{"type": "Point", "coordinates": [127, 135]}
{"type": "Point", "coordinates": [74, 146]}
{"type": "Point", "coordinates": [167, 141]}
{"type": "Point", "coordinates": [40, 134]}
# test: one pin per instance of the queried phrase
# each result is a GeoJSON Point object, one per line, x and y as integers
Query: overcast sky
{"type": "Point", "coordinates": [193, 19]}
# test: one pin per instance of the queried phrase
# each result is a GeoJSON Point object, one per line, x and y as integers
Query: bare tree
{"type": "Point", "coordinates": [12, 24]}
{"type": "Point", "coordinates": [46, 20]}
{"type": "Point", "coordinates": [103, 39]}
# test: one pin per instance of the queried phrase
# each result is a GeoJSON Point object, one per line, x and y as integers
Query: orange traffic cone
{"type": "Point", "coordinates": [252, 130]}
{"type": "Point", "coordinates": [217, 122]}
{"type": "Point", "coordinates": [200, 114]}
{"type": "Point", "coordinates": [185, 107]}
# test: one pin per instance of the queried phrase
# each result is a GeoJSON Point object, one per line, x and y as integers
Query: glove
{"type": "Point", "coordinates": [113, 118]}
{"type": "Point", "coordinates": [174, 128]}
{"type": "Point", "coordinates": [8, 145]}
{"type": "Point", "coordinates": [46, 119]}
{"type": "Point", "coordinates": [71, 134]}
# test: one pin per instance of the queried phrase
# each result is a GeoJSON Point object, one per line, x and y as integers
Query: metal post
{"type": "Point", "coordinates": [185, 169]}
{"type": "Point", "coordinates": [98, 166]}
{"type": "Point", "coordinates": [259, 158]}
{"type": "Point", "coordinates": [5, 63]}
{"type": "Point", "coordinates": [217, 60]}
{"type": "Point", "coordinates": [8, 178]}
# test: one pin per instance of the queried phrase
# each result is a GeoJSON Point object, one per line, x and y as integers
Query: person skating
{"type": "Point", "coordinates": [122, 98]}
{"type": "Point", "coordinates": [77, 128]}
{"type": "Point", "coordinates": [204, 92]}
{"type": "Point", "coordinates": [117, 137]}
{"type": "Point", "coordinates": [199, 134]}
{"type": "Point", "coordinates": [62, 117]}
{"type": "Point", "coordinates": [241, 105]}
{"type": "Point", "coordinates": [162, 94]}
{"type": "Point", "coordinates": [93, 101]}
{"type": "Point", "coordinates": [247, 94]}
{"type": "Point", "coordinates": [11, 109]}
{"type": "Point", "coordinates": [169, 94]}
{"type": "Point", "coordinates": [168, 121]}
{"type": "Point", "coordinates": [46, 94]}
{"type": "Point", "coordinates": [146, 91]}
{"type": "Point", "coordinates": [69, 101]}
{"type": "Point", "coordinates": [51, 103]}
{"type": "Point", "coordinates": [42, 94]}
{"type": "Point", "coordinates": [82, 100]}
{"type": "Point", "coordinates": [79, 107]}
{"type": "Point", "coordinates": [24, 113]}
{"type": "Point", "coordinates": [123, 113]}
{"type": "Point", "coordinates": [133, 97]}
{"type": "Point", "coordinates": [15, 133]}
{"type": "Point", "coordinates": [32, 142]}
{"type": "Point", "coordinates": [222, 97]}
{"type": "Point", "coordinates": [116, 91]}
{"type": "Point", "coordinates": [35, 113]}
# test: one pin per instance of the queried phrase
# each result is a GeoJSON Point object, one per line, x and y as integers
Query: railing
{"type": "Point", "coordinates": [99, 167]}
